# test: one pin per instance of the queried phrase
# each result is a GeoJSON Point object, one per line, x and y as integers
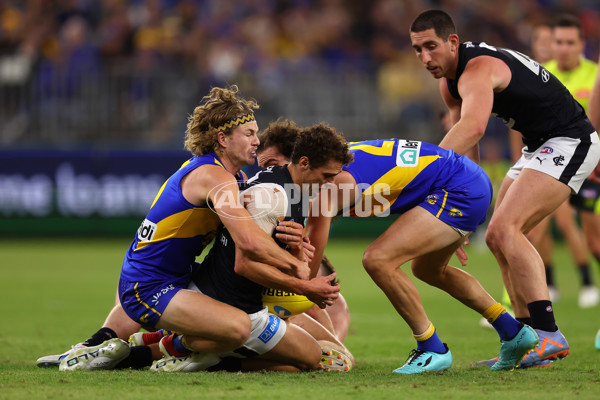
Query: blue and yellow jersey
{"type": "Point", "coordinates": [395, 175]}
{"type": "Point", "coordinates": [174, 231]}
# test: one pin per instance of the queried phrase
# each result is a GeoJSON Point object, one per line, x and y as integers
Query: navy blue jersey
{"type": "Point", "coordinates": [216, 276]}
{"type": "Point", "coordinates": [534, 103]}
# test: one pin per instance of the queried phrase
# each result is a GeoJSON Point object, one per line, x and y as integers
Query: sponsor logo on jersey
{"type": "Point", "coordinates": [147, 231]}
{"type": "Point", "coordinates": [547, 150]}
{"type": "Point", "coordinates": [408, 153]}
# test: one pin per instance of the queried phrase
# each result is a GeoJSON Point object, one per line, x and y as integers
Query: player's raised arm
{"type": "Point", "coordinates": [476, 87]}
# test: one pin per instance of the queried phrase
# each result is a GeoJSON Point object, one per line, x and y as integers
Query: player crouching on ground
{"type": "Point", "coordinates": [227, 275]}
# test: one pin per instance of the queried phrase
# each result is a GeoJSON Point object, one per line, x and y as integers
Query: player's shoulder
{"type": "Point", "coordinates": [274, 174]}
{"type": "Point", "coordinates": [206, 179]}
{"type": "Point", "coordinates": [213, 172]}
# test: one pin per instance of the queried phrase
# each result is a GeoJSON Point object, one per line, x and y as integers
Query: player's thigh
{"type": "Point", "coordinates": [530, 198]}
{"type": "Point", "coordinates": [297, 347]}
{"type": "Point", "coordinates": [196, 314]}
{"type": "Point", "coordinates": [413, 234]}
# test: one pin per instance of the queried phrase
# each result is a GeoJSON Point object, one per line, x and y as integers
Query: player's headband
{"type": "Point", "coordinates": [232, 123]}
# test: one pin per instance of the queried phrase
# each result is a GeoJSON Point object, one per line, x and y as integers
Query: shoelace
{"type": "Point", "coordinates": [413, 355]}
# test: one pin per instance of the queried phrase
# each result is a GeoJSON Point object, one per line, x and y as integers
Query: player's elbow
{"type": "Point", "coordinates": [477, 132]}
{"type": "Point", "coordinates": [248, 245]}
{"type": "Point", "coordinates": [241, 266]}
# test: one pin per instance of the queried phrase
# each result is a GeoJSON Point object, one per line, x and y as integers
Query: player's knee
{"type": "Point", "coordinates": [239, 331]}
{"type": "Point", "coordinates": [494, 236]}
{"type": "Point", "coordinates": [374, 261]}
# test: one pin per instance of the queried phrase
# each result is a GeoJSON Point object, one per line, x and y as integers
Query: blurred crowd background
{"type": "Point", "coordinates": [100, 74]}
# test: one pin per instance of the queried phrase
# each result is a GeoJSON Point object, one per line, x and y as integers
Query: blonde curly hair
{"type": "Point", "coordinates": [220, 106]}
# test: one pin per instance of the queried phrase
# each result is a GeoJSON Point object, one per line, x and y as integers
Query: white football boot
{"type": "Point", "coordinates": [104, 356]}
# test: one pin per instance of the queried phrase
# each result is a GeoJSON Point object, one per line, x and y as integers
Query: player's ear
{"type": "Point", "coordinates": [221, 138]}
{"type": "Point", "coordinates": [454, 41]}
{"type": "Point", "coordinates": [304, 163]}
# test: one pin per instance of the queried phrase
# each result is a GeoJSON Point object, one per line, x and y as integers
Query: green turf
{"type": "Point", "coordinates": [55, 293]}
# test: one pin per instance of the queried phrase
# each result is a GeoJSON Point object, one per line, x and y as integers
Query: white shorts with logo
{"type": "Point", "coordinates": [568, 160]}
{"type": "Point", "coordinates": [266, 331]}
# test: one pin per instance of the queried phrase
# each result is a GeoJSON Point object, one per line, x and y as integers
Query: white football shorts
{"type": "Point", "coordinates": [568, 160]}
{"type": "Point", "coordinates": [267, 330]}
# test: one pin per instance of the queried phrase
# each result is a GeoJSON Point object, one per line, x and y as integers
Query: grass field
{"type": "Point", "coordinates": [56, 292]}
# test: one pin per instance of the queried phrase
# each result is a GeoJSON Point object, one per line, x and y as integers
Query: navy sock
{"type": "Point", "coordinates": [542, 315]}
{"type": "Point", "coordinates": [432, 344]}
{"type": "Point", "coordinates": [173, 346]}
{"type": "Point", "coordinates": [139, 357]}
{"type": "Point", "coordinates": [506, 326]}
{"type": "Point", "coordinates": [584, 272]}
{"type": "Point", "coordinates": [179, 346]}
{"type": "Point", "coordinates": [526, 321]}
{"type": "Point", "coordinates": [100, 336]}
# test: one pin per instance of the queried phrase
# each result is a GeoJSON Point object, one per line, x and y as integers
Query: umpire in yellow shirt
{"type": "Point", "coordinates": [578, 75]}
